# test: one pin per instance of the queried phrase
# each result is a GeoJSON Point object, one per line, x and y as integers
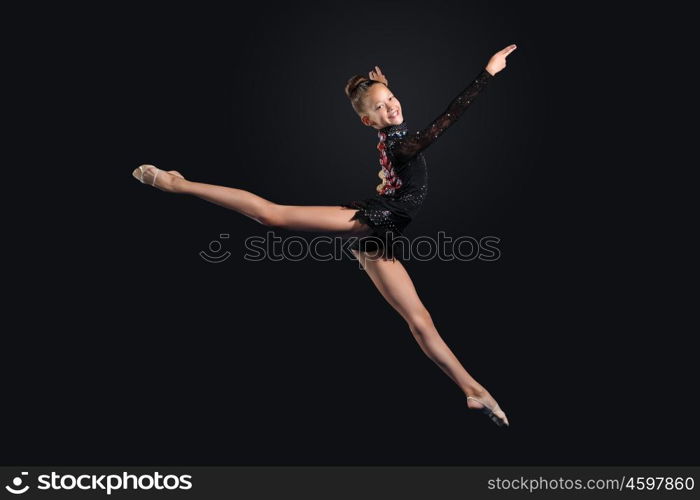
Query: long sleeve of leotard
{"type": "Point", "coordinates": [414, 143]}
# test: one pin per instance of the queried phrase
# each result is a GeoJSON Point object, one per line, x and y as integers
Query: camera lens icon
{"type": "Point", "coordinates": [17, 483]}
{"type": "Point", "coordinates": [215, 247]}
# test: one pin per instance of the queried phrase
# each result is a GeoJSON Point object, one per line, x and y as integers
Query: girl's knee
{"type": "Point", "coordinates": [420, 322]}
{"type": "Point", "coordinates": [270, 215]}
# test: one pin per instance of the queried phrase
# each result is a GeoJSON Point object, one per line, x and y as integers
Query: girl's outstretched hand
{"type": "Point", "coordinates": [376, 74]}
{"type": "Point", "coordinates": [498, 60]}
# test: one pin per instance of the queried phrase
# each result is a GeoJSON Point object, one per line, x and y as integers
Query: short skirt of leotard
{"type": "Point", "coordinates": [387, 221]}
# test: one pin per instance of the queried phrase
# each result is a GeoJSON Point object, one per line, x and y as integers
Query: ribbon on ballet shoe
{"type": "Point", "coordinates": [141, 170]}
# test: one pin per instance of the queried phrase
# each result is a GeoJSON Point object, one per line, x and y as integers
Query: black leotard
{"type": "Point", "coordinates": [405, 174]}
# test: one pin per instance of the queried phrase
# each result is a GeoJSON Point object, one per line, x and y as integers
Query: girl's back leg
{"type": "Point", "coordinates": [263, 211]}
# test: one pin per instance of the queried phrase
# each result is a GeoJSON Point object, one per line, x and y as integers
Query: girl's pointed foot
{"type": "Point", "coordinates": [489, 407]}
{"type": "Point", "coordinates": [161, 179]}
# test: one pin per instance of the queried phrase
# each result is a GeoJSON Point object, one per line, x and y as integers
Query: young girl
{"type": "Point", "coordinates": [375, 220]}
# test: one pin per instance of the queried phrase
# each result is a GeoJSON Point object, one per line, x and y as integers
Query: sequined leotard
{"type": "Point", "coordinates": [404, 175]}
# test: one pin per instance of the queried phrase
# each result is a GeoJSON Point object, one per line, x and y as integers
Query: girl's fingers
{"type": "Point", "coordinates": [509, 49]}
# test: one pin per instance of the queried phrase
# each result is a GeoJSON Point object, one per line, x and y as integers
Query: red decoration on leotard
{"type": "Point", "coordinates": [390, 181]}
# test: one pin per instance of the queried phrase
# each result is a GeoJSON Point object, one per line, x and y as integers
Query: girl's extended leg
{"type": "Point", "coordinates": [396, 286]}
{"type": "Point", "coordinates": [294, 217]}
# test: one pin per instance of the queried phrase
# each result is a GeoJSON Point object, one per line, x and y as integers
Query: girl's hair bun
{"type": "Point", "coordinates": [352, 84]}
{"type": "Point", "coordinates": [356, 89]}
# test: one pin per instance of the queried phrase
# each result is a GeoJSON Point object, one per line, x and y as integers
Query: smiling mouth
{"type": "Point", "coordinates": [394, 114]}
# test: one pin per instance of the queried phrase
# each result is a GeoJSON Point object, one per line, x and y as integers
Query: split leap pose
{"type": "Point", "coordinates": [372, 220]}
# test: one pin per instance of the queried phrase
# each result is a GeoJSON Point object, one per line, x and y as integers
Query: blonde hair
{"type": "Point", "coordinates": [356, 89]}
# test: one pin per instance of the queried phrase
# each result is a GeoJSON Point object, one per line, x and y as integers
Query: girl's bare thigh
{"type": "Point", "coordinates": [317, 218]}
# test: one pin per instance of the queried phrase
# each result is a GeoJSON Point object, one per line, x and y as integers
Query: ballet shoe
{"type": "Point", "coordinates": [139, 173]}
{"type": "Point", "coordinates": [164, 182]}
{"type": "Point", "coordinates": [491, 412]}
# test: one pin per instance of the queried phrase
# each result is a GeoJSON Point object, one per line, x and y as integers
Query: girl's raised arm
{"type": "Point", "coordinates": [414, 143]}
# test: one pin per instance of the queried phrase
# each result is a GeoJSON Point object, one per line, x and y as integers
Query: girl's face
{"type": "Point", "coordinates": [382, 108]}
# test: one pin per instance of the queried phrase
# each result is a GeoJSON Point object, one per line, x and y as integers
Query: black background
{"type": "Point", "coordinates": [123, 346]}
